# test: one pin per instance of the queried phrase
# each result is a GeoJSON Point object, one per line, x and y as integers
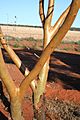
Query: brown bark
{"type": "Point", "coordinates": [12, 90]}
{"type": "Point", "coordinates": [5, 76]}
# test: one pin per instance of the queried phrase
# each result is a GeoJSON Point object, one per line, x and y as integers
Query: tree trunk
{"type": "Point", "coordinates": [16, 112]}
{"type": "Point", "coordinates": [39, 113]}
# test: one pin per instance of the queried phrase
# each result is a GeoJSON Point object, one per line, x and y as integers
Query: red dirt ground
{"type": "Point", "coordinates": [63, 81]}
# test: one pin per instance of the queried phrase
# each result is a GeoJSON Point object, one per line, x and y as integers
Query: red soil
{"type": "Point", "coordinates": [63, 81]}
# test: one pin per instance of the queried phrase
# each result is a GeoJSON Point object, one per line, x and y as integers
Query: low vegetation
{"type": "Point", "coordinates": [37, 78]}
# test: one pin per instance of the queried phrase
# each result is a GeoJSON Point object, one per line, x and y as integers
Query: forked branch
{"type": "Point", "coordinates": [46, 19]}
{"type": "Point", "coordinates": [43, 75]}
{"type": "Point", "coordinates": [52, 45]}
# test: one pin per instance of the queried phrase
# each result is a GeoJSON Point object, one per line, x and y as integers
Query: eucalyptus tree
{"type": "Point", "coordinates": [52, 36]}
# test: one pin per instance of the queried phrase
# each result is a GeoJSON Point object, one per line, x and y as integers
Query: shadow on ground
{"type": "Point", "coordinates": [64, 70]}
{"type": "Point", "coordinates": [2, 116]}
{"type": "Point", "coordinates": [64, 67]}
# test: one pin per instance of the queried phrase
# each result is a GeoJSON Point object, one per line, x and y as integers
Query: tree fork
{"type": "Point", "coordinates": [17, 93]}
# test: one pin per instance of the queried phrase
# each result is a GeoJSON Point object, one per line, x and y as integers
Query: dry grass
{"type": "Point", "coordinates": [36, 33]}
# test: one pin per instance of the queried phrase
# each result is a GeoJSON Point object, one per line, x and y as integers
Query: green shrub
{"type": "Point", "coordinates": [78, 42]}
{"type": "Point", "coordinates": [16, 45]}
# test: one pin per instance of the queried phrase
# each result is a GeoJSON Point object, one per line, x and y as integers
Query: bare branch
{"type": "Point", "coordinates": [41, 11]}
{"type": "Point", "coordinates": [54, 29]}
{"type": "Point", "coordinates": [15, 58]}
{"type": "Point", "coordinates": [5, 76]}
{"type": "Point", "coordinates": [50, 12]}
{"type": "Point", "coordinates": [51, 46]}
